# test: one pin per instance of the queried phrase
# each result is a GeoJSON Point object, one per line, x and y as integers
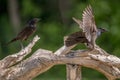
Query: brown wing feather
{"type": "Point", "coordinates": [79, 22]}
{"type": "Point", "coordinates": [88, 22]}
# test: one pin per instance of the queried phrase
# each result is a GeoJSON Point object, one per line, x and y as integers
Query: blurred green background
{"type": "Point", "coordinates": [56, 22]}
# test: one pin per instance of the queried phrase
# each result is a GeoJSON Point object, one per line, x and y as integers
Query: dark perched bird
{"type": "Point", "coordinates": [89, 27]}
{"type": "Point", "coordinates": [74, 38]}
{"type": "Point", "coordinates": [29, 29]}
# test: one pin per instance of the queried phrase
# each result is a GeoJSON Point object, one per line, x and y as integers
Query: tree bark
{"type": "Point", "coordinates": [73, 72]}
{"type": "Point", "coordinates": [15, 67]}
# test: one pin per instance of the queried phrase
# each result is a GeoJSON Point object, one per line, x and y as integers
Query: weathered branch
{"type": "Point", "coordinates": [73, 72]}
{"type": "Point", "coordinates": [42, 60]}
{"type": "Point", "coordinates": [14, 58]}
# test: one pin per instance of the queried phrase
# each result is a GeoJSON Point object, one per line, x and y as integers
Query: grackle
{"type": "Point", "coordinates": [27, 31]}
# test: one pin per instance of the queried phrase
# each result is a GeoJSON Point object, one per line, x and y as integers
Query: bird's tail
{"type": "Point", "coordinates": [15, 39]}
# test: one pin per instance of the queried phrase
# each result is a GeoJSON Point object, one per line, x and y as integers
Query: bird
{"type": "Point", "coordinates": [29, 29]}
{"type": "Point", "coordinates": [89, 27]}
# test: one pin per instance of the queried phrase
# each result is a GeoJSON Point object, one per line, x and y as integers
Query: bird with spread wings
{"type": "Point", "coordinates": [88, 26]}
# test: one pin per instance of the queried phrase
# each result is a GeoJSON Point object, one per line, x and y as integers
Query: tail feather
{"type": "Point", "coordinates": [15, 39]}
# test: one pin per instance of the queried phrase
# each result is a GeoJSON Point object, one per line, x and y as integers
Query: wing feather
{"type": "Point", "coordinates": [88, 22]}
{"type": "Point", "coordinates": [79, 22]}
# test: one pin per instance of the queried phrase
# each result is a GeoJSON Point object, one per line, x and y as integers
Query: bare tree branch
{"type": "Point", "coordinates": [42, 60]}
{"type": "Point", "coordinates": [14, 58]}
{"type": "Point", "coordinates": [73, 72]}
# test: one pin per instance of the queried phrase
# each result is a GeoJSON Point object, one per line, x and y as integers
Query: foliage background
{"type": "Point", "coordinates": [56, 22]}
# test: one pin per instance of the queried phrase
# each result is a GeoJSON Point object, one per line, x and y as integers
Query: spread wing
{"type": "Point", "coordinates": [88, 22]}
{"type": "Point", "coordinates": [79, 22]}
